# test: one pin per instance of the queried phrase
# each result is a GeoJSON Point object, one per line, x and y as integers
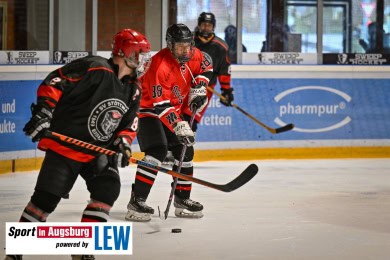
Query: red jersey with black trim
{"type": "Point", "coordinates": [166, 84]}
{"type": "Point", "coordinates": [218, 51]}
{"type": "Point", "coordinates": [91, 104]}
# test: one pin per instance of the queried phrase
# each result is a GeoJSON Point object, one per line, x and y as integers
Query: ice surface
{"type": "Point", "coordinates": [293, 209]}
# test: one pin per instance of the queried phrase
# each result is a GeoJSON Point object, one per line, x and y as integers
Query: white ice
{"type": "Point", "coordinates": [292, 209]}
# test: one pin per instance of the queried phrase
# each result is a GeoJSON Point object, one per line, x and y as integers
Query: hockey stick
{"type": "Point", "coordinates": [183, 152]}
{"type": "Point", "coordinates": [282, 129]}
{"type": "Point", "coordinates": [240, 180]}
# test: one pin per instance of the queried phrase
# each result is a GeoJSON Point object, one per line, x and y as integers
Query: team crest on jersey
{"type": "Point", "coordinates": [105, 118]}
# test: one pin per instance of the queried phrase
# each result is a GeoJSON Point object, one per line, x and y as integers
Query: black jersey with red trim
{"type": "Point", "coordinates": [91, 104]}
{"type": "Point", "coordinates": [218, 51]}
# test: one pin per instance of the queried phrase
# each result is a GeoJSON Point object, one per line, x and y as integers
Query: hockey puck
{"type": "Point", "coordinates": [176, 230]}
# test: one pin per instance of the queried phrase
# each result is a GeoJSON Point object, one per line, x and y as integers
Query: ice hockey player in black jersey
{"type": "Point", "coordinates": [217, 49]}
{"type": "Point", "coordinates": [95, 100]}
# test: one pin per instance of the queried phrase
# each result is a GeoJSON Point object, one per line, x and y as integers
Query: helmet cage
{"type": "Point", "coordinates": [144, 61]}
{"type": "Point", "coordinates": [140, 61]}
{"type": "Point", "coordinates": [183, 58]}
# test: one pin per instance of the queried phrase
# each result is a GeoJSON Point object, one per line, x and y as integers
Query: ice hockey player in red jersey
{"type": "Point", "coordinates": [95, 100]}
{"type": "Point", "coordinates": [178, 75]}
{"type": "Point", "coordinates": [217, 49]}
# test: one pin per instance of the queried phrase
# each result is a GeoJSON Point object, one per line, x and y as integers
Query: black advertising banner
{"type": "Point", "coordinates": [356, 58]}
{"type": "Point", "coordinates": [64, 57]}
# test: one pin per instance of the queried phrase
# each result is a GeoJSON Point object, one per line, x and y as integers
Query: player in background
{"type": "Point", "coordinates": [178, 75]}
{"type": "Point", "coordinates": [95, 100]}
{"type": "Point", "coordinates": [217, 49]}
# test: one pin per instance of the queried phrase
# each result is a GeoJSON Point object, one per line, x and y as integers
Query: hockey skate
{"type": "Point", "coordinates": [13, 257]}
{"type": "Point", "coordinates": [138, 210]}
{"type": "Point", "coordinates": [187, 208]}
{"type": "Point", "coordinates": [83, 257]}
{"type": "Point", "coordinates": [169, 159]}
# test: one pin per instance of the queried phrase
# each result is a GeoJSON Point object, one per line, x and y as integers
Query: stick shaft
{"type": "Point", "coordinates": [183, 152]}
{"type": "Point", "coordinates": [133, 160]}
{"type": "Point", "coordinates": [270, 129]}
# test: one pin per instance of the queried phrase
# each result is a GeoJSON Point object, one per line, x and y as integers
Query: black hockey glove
{"type": "Point", "coordinates": [228, 97]}
{"type": "Point", "coordinates": [184, 133]}
{"type": "Point", "coordinates": [197, 98]}
{"type": "Point", "coordinates": [123, 154]}
{"type": "Point", "coordinates": [39, 122]}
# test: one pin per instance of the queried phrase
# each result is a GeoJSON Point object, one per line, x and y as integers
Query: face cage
{"type": "Point", "coordinates": [182, 58]}
{"type": "Point", "coordinates": [141, 64]}
{"type": "Point", "coordinates": [144, 61]}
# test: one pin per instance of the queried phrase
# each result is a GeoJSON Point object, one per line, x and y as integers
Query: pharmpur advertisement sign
{"type": "Point", "coordinates": [320, 109]}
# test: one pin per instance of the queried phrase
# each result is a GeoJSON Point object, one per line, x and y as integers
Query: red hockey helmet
{"type": "Point", "coordinates": [133, 47]}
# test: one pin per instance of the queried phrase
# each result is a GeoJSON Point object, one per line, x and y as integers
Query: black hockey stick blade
{"type": "Point", "coordinates": [240, 180]}
{"type": "Point", "coordinates": [285, 128]}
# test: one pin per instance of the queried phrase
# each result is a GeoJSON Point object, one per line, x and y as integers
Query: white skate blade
{"type": "Point", "coordinates": [183, 213]}
{"type": "Point", "coordinates": [137, 216]}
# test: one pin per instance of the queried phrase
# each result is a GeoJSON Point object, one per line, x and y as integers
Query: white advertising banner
{"type": "Point", "coordinates": [279, 58]}
{"type": "Point", "coordinates": [24, 57]}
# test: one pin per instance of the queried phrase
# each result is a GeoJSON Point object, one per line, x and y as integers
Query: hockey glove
{"type": "Point", "coordinates": [228, 97]}
{"type": "Point", "coordinates": [184, 133]}
{"type": "Point", "coordinates": [123, 154]}
{"type": "Point", "coordinates": [197, 98]}
{"type": "Point", "coordinates": [39, 122]}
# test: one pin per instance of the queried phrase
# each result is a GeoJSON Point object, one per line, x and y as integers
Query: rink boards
{"type": "Point", "coordinates": [338, 112]}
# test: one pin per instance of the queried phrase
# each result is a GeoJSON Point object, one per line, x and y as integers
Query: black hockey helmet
{"type": "Point", "coordinates": [207, 17]}
{"type": "Point", "coordinates": [178, 33]}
